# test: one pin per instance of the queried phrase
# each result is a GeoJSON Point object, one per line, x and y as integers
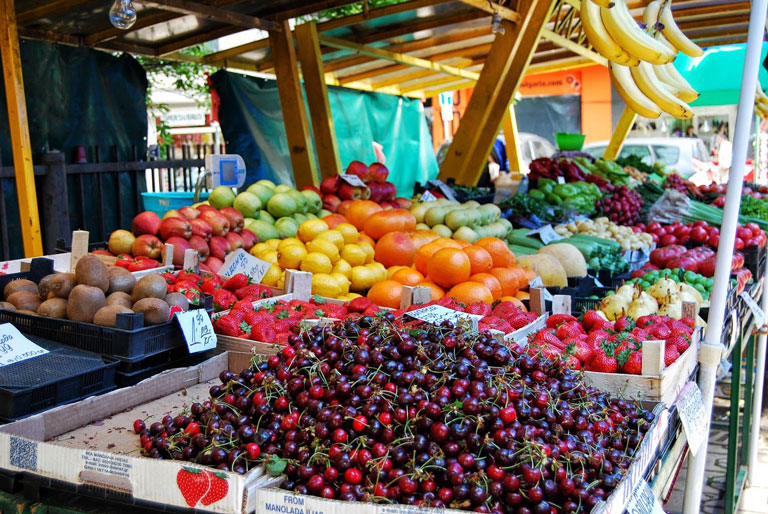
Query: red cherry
{"type": "Point", "coordinates": [359, 423]}
{"type": "Point", "coordinates": [353, 476]}
{"type": "Point", "coordinates": [253, 450]}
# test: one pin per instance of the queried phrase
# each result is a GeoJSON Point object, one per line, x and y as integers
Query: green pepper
{"type": "Point", "coordinates": [553, 199]}
{"type": "Point", "coordinates": [567, 190]}
{"type": "Point", "coordinates": [537, 194]}
{"type": "Point", "coordinates": [546, 185]}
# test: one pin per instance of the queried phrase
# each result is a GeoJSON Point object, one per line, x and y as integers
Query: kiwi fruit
{"type": "Point", "coordinates": [150, 286]}
{"type": "Point", "coordinates": [90, 271]}
{"type": "Point", "coordinates": [44, 287]}
{"type": "Point", "coordinates": [25, 300]}
{"type": "Point", "coordinates": [27, 311]}
{"type": "Point", "coordinates": [53, 308]}
{"type": "Point", "coordinates": [7, 306]}
{"type": "Point", "coordinates": [62, 283]}
{"type": "Point", "coordinates": [15, 286]}
{"type": "Point", "coordinates": [107, 316]}
{"type": "Point", "coordinates": [120, 279]}
{"type": "Point", "coordinates": [155, 311]}
{"type": "Point", "coordinates": [179, 299]}
{"type": "Point", "coordinates": [120, 298]}
{"type": "Point", "coordinates": [84, 301]}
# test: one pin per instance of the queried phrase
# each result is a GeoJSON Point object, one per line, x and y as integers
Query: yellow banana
{"type": "Point", "coordinates": [624, 30]}
{"type": "Point", "coordinates": [675, 36]}
{"type": "Point", "coordinates": [680, 87]}
{"type": "Point", "coordinates": [647, 82]}
{"type": "Point", "coordinates": [651, 13]}
{"type": "Point", "coordinates": [629, 92]}
{"type": "Point", "coordinates": [604, 3]}
{"type": "Point", "coordinates": [599, 38]}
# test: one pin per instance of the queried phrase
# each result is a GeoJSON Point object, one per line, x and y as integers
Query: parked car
{"type": "Point", "coordinates": [687, 155]}
{"type": "Point", "coordinates": [531, 147]}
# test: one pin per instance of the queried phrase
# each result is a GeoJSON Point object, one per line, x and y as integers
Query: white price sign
{"type": "Point", "coordinates": [14, 347]}
{"type": "Point", "coordinates": [436, 314]}
{"type": "Point", "coordinates": [546, 233]}
{"type": "Point", "coordinates": [643, 501]}
{"type": "Point", "coordinates": [197, 329]}
{"type": "Point", "coordinates": [353, 180]}
{"type": "Point", "coordinates": [693, 415]}
{"type": "Point", "coordinates": [755, 308]}
{"type": "Point", "coordinates": [427, 196]}
{"type": "Point", "coordinates": [241, 261]}
{"type": "Point", "coordinates": [443, 188]}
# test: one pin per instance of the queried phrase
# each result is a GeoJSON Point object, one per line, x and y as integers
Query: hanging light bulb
{"type": "Point", "coordinates": [496, 27]}
{"type": "Point", "coordinates": [122, 14]}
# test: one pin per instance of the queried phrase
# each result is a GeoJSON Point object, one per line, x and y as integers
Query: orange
{"type": "Point", "coordinates": [386, 293]}
{"type": "Point", "coordinates": [384, 222]}
{"type": "Point", "coordinates": [463, 244]}
{"type": "Point", "coordinates": [362, 236]}
{"type": "Point", "coordinates": [343, 207]}
{"type": "Point", "coordinates": [489, 281]}
{"type": "Point", "coordinates": [523, 295]}
{"type": "Point", "coordinates": [508, 280]}
{"type": "Point", "coordinates": [359, 211]}
{"type": "Point", "coordinates": [423, 254]}
{"type": "Point", "coordinates": [395, 249]}
{"type": "Point", "coordinates": [394, 269]}
{"type": "Point", "coordinates": [334, 219]}
{"type": "Point", "coordinates": [479, 258]}
{"type": "Point", "coordinates": [437, 292]}
{"type": "Point", "coordinates": [470, 292]}
{"type": "Point", "coordinates": [408, 277]}
{"type": "Point", "coordinates": [448, 266]}
{"type": "Point", "coordinates": [502, 255]}
{"type": "Point", "coordinates": [422, 237]}
{"type": "Point", "coordinates": [522, 277]}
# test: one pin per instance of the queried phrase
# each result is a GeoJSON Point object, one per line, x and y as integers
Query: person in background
{"type": "Point", "coordinates": [724, 156]}
{"type": "Point", "coordinates": [689, 132]}
{"type": "Point", "coordinates": [677, 132]}
{"type": "Point", "coordinates": [497, 162]}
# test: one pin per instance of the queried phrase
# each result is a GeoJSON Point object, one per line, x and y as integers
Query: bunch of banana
{"type": "Point", "coordinates": [761, 103]}
{"type": "Point", "coordinates": [641, 61]}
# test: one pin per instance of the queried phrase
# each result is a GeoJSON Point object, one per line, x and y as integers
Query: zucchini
{"type": "Point", "coordinates": [518, 237]}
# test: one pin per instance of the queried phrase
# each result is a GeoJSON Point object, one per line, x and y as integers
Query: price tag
{"type": "Point", "coordinates": [560, 180]}
{"type": "Point", "coordinates": [353, 180]}
{"type": "Point", "coordinates": [690, 405]}
{"type": "Point", "coordinates": [436, 314]}
{"type": "Point", "coordinates": [427, 196]}
{"type": "Point", "coordinates": [197, 329]}
{"type": "Point", "coordinates": [241, 261]}
{"type": "Point", "coordinates": [443, 187]}
{"type": "Point", "coordinates": [14, 347]}
{"type": "Point", "coordinates": [642, 501]}
{"type": "Point", "coordinates": [755, 308]}
{"type": "Point", "coordinates": [546, 233]}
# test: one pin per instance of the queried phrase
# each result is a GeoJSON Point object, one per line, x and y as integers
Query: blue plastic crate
{"type": "Point", "coordinates": [160, 203]}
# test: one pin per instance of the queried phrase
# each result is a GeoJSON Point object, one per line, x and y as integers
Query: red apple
{"type": "Point", "coordinates": [311, 188]}
{"type": "Point", "coordinates": [330, 185]}
{"type": "Point", "coordinates": [347, 192]}
{"type": "Point", "coordinates": [213, 264]}
{"type": "Point", "coordinates": [249, 239]}
{"type": "Point", "coordinates": [331, 202]}
{"type": "Point", "coordinates": [377, 191]}
{"type": "Point", "coordinates": [120, 241]}
{"type": "Point", "coordinates": [146, 222]}
{"type": "Point", "coordinates": [235, 241]}
{"type": "Point", "coordinates": [218, 222]}
{"type": "Point", "coordinates": [219, 247]}
{"type": "Point", "coordinates": [176, 226]}
{"type": "Point", "coordinates": [102, 252]}
{"type": "Point", "coordinates": [201, 228]}
{"type": "Point", "coordinates": [378, 172]}
{"type": "Point", "coordinates": [199, 244]}
{"type": "Point", "coordinates": [343, 206]}
{"type": "Point", "coordinates": [180, 245]}
{"type": "Point", "coordinates": [390, 191]}
{"type": "Point", "coordinates": [189, 212]}
{"type": "Point", "coordinates": [403, 203]}
{"type": "Point", "coordinates": [236, 219]}
{"type": "Point", "coordinates": [203, 267]}
{"type": "Point", "coordinates": [357, 168]}
{"type": "Point", "coordinates": [147, 245]}
{"type": "Point", "coordinates": [173, 213]}
{"type": "Point", "coordinates": [206, 207]}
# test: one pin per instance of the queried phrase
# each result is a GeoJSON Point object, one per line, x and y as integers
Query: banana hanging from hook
{"type": "Point", "coordinates": [653, 25]}
{"type": "Point", "coordinates": [630, 93]}
{"type": "Point", "coordinates": [649, 84]}
{"type": "Point", "coordinates": [598, 36]}
{"type": "Point", "coordinates": [625, 31]}
{"type": "Point", "coordinates": [677, 84]}
{"type": "Point", "coordinates": [675, 36]}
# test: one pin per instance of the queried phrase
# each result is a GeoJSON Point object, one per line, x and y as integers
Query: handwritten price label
{"type": "Point", "coordinates": [436, 314]}
{"type": "Point", "coordinates": [755, 308]}
{"type": "Point", "coordinates": [353, 180]}
{"type": "Point", "coordinates": [427, 197]}
{"type": "Point", "coordinates": [546, 233]}
{"type": "Point", "coordinates": [243, 262]}
{"type": "Point", "coordinates": [693, 415]}
{"type": "Point", "coordinates": [14, 347]}
{"type": "Point", "coordinates": [197, 329]}
{"type": "Point", "coordinates": [643, 501]}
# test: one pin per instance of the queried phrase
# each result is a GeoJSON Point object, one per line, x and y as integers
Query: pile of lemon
{"type": "Point", "coordinates": [340, 260]}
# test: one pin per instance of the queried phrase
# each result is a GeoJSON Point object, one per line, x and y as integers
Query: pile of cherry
{"type": "Point", "coordinates": [380, 409]}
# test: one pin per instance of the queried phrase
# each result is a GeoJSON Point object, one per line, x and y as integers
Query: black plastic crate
{"type": "Point", "coordinates": [754, 261]}
{"type": "Point", "coordinates": [62, 247]}
{"type": "Point", "coordinates": [38, 268]}
{"type": "Point", "coordinates": [158, 359]}
{"type": "Point", "coordinates": [460, 197]}
{"type": "Point", "coordinates": [133, 377]}
{"type": "Point", "coordinates": [61, 376]}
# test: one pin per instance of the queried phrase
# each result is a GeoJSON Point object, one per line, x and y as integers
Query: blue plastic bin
{"type": "Point", "coordinates": [160, 203]}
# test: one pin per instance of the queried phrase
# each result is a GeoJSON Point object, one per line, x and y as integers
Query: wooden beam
{"type": "Point", "coordinates": [196, 39]}
{"type": "Point", "coordinates": [620, 133]}
{"type": "Point", "coordinates": [45, 9]}
{"type": "Point", "coordinates": [431, 93]}
{"type": "Point", "coordinates": [213, 13]}
{"type": "Point", "coordinates": [494, 8]}
{"type": "Point", "coordinates": [512, 142]}
{"type": "Point", "coordinates": [574, 47]}
{"type": "Point", "coordinates": [292, 104]}
{"type": "Point", "coordinates": [142, 21]}
{"type": "Point", "coordinates": [19, 128]}
{"type": "Point", "coordinates": [413, 26]}
{"type": "Point", "coordinates": [379, 12]}
{"type": "Point", "coordinates": [223, 55]}
{"type": "Point", "coordinates": [50, 35]}
{"type": "Point", "coordinates": [305, 8]}
{"type": "Point", "coordinates": [308, 50]}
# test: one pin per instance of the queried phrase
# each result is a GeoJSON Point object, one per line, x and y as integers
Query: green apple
{"type": "Point", "coordinates": [301, 201]}
{"type": "Point", "coordinates": [263, 192]}
{"type": "Point", "coordinates": [442, 230]}
{"type": "Point", "coordinates": [248, 204]}
{"type": "Point", "coordinates": [465, 234]}
{"type": "Point", "coordinates": [457, 218]}
{"type": "Point", "coordinates": [323, 213]}
{"type": "Point", "coordinates": [283, 188]}
{"type": "Point", "coordinates": [314, 202]}
{"type": "Point", "coordinates": [265, 216]}
{"type": "Point", "coordinates": [287, 227]}
{"type": "Point", "coordinates": [221, 197]}
{"type": "Point", "coordinates": [282, 204]}
{"type": "Point", "coordinates": [263, 230]}
{"type": "Point", "coordinates": [267, 183]}
{"type": "Point", "coordinates": [299, 217]}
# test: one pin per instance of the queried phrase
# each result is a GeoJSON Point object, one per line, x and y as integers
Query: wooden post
{"type": "Point", "coordinates": [512, 141]}
{"type": "Point", "coordinates": [292, 104]}
{"type": "Point", "coordinates": [308, 50]}
{"type": "Point", "coordinates": [502, 74]}
{"type": "Point", "coordinates": [55, 201]}
{"type": "Point", "coordinates": [620, 133]}
{"type": "Point", "coordinates": [17, 120]}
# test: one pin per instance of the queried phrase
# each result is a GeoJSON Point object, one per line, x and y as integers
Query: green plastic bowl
{"type": "Point", "coordinates": [569, 141]}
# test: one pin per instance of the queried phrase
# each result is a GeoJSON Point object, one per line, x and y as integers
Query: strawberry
{"type": "Point", "coordinates": [640, 334]}
{"type": "Point", "coordinates": [263, 332]}
{"type": "Point", "coordinates": [282, 337]}
{"type": "Point", "coordinates": [548, 336]}
{"type": "Point", "coordinates": [193, 484]}
{"type": "Point", "coordinates": [505, 309]}
{"type": "Point", "coordinates": [242, 305]}
{"type": "Point", "coordinates": [209, 285]}
{"type": "Point", "coordinates": [644, 321]}
{"type": "Point", "coordinates": [517, 320]}
{"type": "Point", "coordinates": [634, 363]}
{"type": "Point", "coordinates": [623, 324]}
{"type": "Point", "coordinates": [602, 363]}
{"type": "Point", "coordinates": [237, 316]}
{"type": "Point", "coordinates": [218, 489]}
{"type": "Point", "coordinates": [234, 283]}
{"type": "Point", "coordinates": [689, 322]}
{"type": "Point", "coordinates": [335, 310]}
{"type": "Point", "coordinates": [283, 325]}
{"type": "Point", "coordinates": [255, 291]}
{"type": "Point", "coordinates": [254, 318]}
{"type": "Point", "coordinates": [679, 328]}
{"type": "Point", "coordinates": [681, 343]}
{"type": "Point", "coordinates": [480, 308]}
{"type": "Point", "coordinates": [371, 310]}
{"type": "Point", "coordinates": [568, 330]}
{"type": "Point", "coordinates": [184, 275]}
{"type": "Point", "coordinates": [223, 300]}
{"type": "Point", "coordinates": [670, 354]}
{"type": "Point", "coordinates": [227, 326]}
{"type": "Point", "coordinates": [596, 337]}
{"type": "Point", "coordinates": [556, 320]}
{"type": "Point", "coordinates": [540, 348]}
{"type": "Point", "coordinates": [581, 349]}
{"type": "Point", "coordinates": [359, 304]}
{"type": "Point", "coordinates": [573, 362]}
{"type": "Point", "coordinates": [660, 331]}
{"type": "Point", "coordinates": [592, 318]}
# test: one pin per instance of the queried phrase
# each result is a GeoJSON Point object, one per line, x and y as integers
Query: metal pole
{"type": "Point", "coordinates": [757, 400]}
{"type": "Point", "coordinates": [712, 349]}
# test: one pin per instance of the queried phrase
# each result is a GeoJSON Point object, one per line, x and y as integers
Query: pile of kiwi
{"type": "Point", "coordinates": [94, 293]}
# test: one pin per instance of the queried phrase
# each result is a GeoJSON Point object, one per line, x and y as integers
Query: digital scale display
{"type": "Point", "coordinates": [226, 170]}
{"type": "Point", "coordinates": [228, 173]}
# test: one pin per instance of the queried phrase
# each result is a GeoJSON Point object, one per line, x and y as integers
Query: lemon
{"type": "Point", "coordinates": [379, 269]}
{"type": "Point", "coordinates": [288, 242]}
{"type": "Point", "coordinates": [394, 269]}
{"type": "Point", "coordinates": [316, 262]}
{"type": "Point", "coordinates": [325, 247]}
{"type": "Point", "coordinates": [290, 256]}
{"type": "Point", "coordinates": [349, 297]}
{"type": "Point", "coordinates": [349, 231]}
{"type": "Point", "coordinates": [259, 248]}
{"type": "Point", "coordinates": [281, 280]}
{"type": "Point", "coordinates": [369, 251]}
{"type": "Point", "coordinates": [272, 243]}
{"type": "Point", "coordinates": [334, 236]}
{"type": "Point", "coordinates": [342, 266]}
{"type": "Point", "coordinates": [326, 285]}
{"type": "Point", "coordinates": [342, 281]}
{"type": "Point", "coordinates": [311, 228]}
{"type": "Point", "coordinates": [354, 255]}
{"type": "Point", "coordinates": [272, 275]}
{"type": "Point", "coordinates": [269, 256]}
{"type": "Point", "coordinates": [362, 278]}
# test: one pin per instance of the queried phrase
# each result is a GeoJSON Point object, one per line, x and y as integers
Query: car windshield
{"type": "Point", "coordinates": [667, 154]}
